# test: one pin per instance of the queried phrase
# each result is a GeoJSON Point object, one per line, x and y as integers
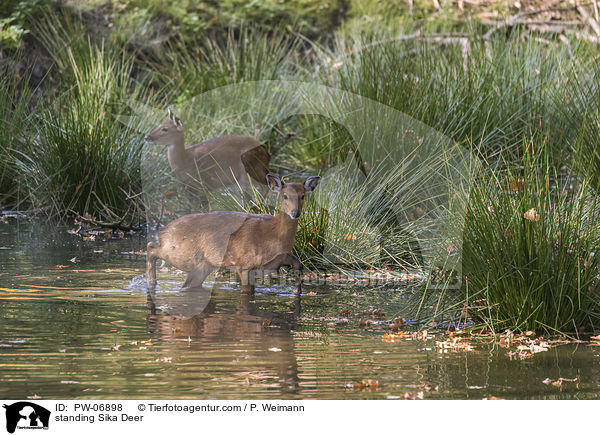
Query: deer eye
{"type": "Point", "coordinates": [285, 197]}
{"type": "Point", "coordinates": [165, 129]}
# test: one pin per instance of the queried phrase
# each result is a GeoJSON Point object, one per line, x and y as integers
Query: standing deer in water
{"type": "Point", "coordinates": [222, 161]}
{"type": "Point", "coordinates": [200, 243]}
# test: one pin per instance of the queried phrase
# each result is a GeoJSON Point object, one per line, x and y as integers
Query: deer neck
{"type": "Point", "coordinates": [177, 154]}
{"type": "Point", "coordinates": [285, 228]}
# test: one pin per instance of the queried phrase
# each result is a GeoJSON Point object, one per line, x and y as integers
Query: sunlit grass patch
{"type": "Point", "coordinates": [84, 160]}
{"type": "Point", "coordinates": [530, 249]}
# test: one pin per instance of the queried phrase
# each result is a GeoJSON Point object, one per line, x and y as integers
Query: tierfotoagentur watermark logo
{"type": "Point", "coordinates": [417, 175]}
{"type": "Point", "coordinates": [27, 416]}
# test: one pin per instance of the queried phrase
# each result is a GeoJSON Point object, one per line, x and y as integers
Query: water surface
{"type": "Point", "coordinates": [76, 322]}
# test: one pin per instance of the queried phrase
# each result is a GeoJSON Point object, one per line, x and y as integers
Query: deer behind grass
{"type": "Point", "coordinates": [222, 161]}
{"type": "Point", "coordinates": [200, 243]}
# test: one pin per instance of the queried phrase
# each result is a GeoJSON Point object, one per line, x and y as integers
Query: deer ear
{"type": "Point", "coordinates": [171, 114]}
{"type": "Point", "coordinates": [311, 183]}
{"type": "Point", "coordinates": [274, 182]}
{"type": "Point", "coordinates": [178, 123]}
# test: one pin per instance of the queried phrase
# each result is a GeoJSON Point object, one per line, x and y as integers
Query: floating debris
{"type": "Point", "coordinates": [558, 383]}
{"type": "Point", "coordinates": [455, 343]}
{"type": "Point", "coordinates": [363, 385]}
{"type": "Point", "coordinates": [414, 395]}
{"type": "Point", "coordinates": [396, 337]}
{"type": "Point", "coordinates": [422, 335]}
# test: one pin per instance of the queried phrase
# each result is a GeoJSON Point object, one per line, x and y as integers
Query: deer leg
{"type": "Point", "coordinates": [297, 306]}
{"type": "Point", "coordinates": [298, 271]}
{"type": "Point", "coordinates": [247, 283]}
{"type": "Point", "coordinates": [291, 260]}
{"type": "Point", "coordinates": [151, 263]}
{"type": "Point", "coordinates": [195, 279]}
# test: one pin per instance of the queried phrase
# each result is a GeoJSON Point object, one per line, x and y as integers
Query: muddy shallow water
{"type": "Point", "coordinates": [77, 322]}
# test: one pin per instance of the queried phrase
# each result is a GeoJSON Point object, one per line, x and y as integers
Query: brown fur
{"type": "Point", "coordinates": [200, 243]}
{"type": "Point", "coordinates": [222, 161]}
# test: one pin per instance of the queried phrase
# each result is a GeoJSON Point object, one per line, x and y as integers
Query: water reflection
{"type": "Point", "coordinates": [204, 318]}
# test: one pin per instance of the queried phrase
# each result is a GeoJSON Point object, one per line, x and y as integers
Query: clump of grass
{"type": "Point", "coordinates": [84, 160]}
{"type": "Point", "coordinates": [529, 252]}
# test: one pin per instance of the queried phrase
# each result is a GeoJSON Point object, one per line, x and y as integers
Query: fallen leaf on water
{"type": "Point", "coordinates": [422, 335]}
{"type": "Point", "coordinates": [74, 259]}
{"type": "Point", "coordinates": [558, 383]}
{"type": "Point", "coordinates": [453, 344]}
{"type": "Point", "coordinates": [366, 384]}
{"type": "Point", "coordinates": [274, 349]}
{"type": "Point", "coordinates": [311, 294]}
{"type": "Point", "coordinates": [394, 337]}
{"type": "Point", "coordinates": [413, 395]}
